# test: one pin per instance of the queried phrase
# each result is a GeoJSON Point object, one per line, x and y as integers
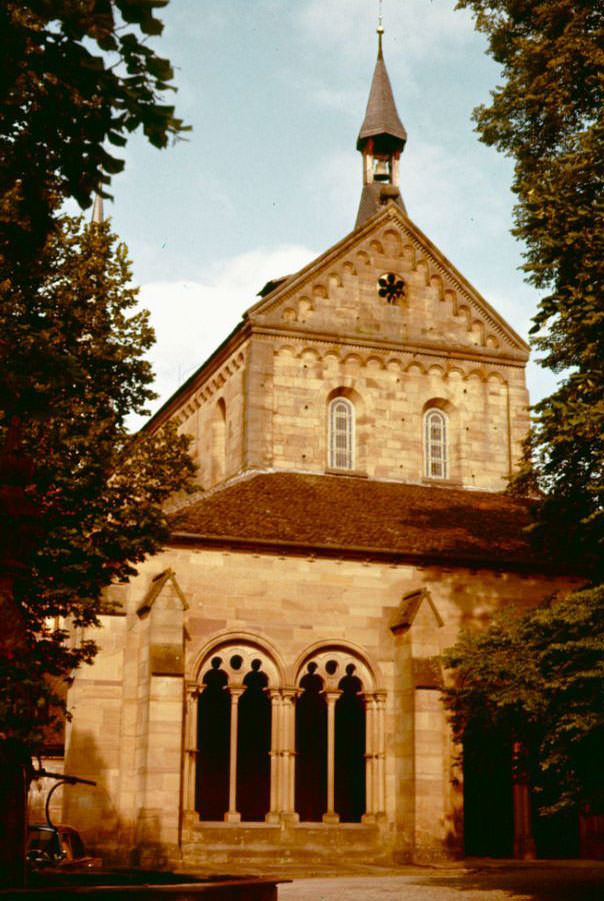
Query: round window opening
{"type": "Point", "coordinates": [391, 287]}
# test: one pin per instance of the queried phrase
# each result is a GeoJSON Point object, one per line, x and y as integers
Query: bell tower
{"type": "Point", "coordinates": [381, 140]}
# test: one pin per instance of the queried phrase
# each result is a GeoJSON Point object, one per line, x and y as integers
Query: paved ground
{"type": "Point", "coordinates": [555, 881]}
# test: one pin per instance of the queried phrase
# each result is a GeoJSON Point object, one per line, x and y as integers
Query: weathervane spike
{"type": "Point", "coordinates": [380, 30]}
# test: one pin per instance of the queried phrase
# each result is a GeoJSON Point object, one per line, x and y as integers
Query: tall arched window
{"type": "Point", "coordinates": [233, 749]}
{"type": "Point", "coordinates": [341, 434]}
{"type": "Point", "coordinates": [339, 749]}
{"type": "Point", "coordinates": [435, 431]}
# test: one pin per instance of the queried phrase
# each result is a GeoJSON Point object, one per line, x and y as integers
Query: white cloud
{"type": "Point", "coordinates": [191, 318]}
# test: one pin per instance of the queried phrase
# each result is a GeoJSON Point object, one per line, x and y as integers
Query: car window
{"type": "Point", "coordinates": [43, 840]}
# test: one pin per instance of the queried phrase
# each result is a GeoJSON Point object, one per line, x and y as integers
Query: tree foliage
{"type": "Point", "coordinates": [548, 115]}
{"type": "Point", "coordinates": [539, 679]}
{"type": "Point", "coordinates": [77, 77]}
{"type": "Point", "coordinates": [73, 371]}
{"type": "Point", "coordinates": [80, 501]}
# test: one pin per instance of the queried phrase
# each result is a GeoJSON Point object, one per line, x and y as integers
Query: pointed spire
{"type": "Point", "coordinates": [381, 116]}
{"type": "Point", "coordinates": [97, 210]}
{"type": "Point", "coordinates": [381, 140]}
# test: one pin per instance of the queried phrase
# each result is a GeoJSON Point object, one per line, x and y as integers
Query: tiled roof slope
{"type": "Point", "coordinates": [332, 514]}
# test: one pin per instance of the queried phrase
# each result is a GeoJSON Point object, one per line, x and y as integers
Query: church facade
{"type": "Point", "coordinates": [269, 684]}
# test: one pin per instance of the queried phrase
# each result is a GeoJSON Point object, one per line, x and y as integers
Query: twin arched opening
{"type": "Point", "coordinates": [342, 439]}
{"type": "Point", "coordinates": [265, 751]}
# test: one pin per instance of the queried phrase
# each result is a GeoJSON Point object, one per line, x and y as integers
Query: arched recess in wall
{"type": "Point", "coordinates": [441, 443]}
{"type": "Point", "coordinates": [236, 682]}
{"type": "Point", "coordinates": [345, 430]}
{"type": "Point", "coordinates": [219, 441]}
{"type": "Point", "coordinates": [339, 737]}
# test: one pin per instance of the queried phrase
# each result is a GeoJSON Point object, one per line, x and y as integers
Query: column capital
{"type": "Point", "coordinates": [193, 689]}
{"type": "Point", "coordinates": [332, 694]}
{"type": "Point", "coordinates": [367, 697]}
{"type": "Point", "coordinates": [290, 694]}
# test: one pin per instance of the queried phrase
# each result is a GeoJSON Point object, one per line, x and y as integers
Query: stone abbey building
{"type": "Point", "coordinates": [268, 687]}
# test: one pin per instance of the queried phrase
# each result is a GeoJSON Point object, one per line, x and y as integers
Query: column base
{"type": "Point", "coordinates": [232, 816]}
{"type": "Point", "coordinates": [290, 818]}
{"type": "Point", "coordinates": [369, 818]}
{"type": "Point", "coordinates": [331, 818]}
{"type": "Point", "coordinates": [272, 817]}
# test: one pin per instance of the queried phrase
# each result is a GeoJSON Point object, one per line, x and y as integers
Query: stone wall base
{"type": "Point", "coordinates": [304, 843]}
{"type": "Point", "coordinates": [229, 847]}
{"type": "Point", "coordinates": [215, 847]}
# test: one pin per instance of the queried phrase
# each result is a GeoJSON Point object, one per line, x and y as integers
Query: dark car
{"type": "Point", "coordinates": [58, 846]}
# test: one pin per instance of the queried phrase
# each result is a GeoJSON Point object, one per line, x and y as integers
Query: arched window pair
{"type": "Point", "coordinates": [342, 439]}
{"type": "Point", "coordinates": [310, 752]}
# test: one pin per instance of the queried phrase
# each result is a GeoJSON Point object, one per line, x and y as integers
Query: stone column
{"type": "Point", "coordinates": [380, 753]}
{"type": "Point", "coordinates": [232, 815]}
{"type": "Point", "coordinates": [275, 756]}
{"type": "Point", "coordinates": [330, 815]}
{"type": "Point", "coordinates": [370, 759]}
{"type": "Point", "coordinates": [288, 755]}
{"type": "Point", "coordinates": [191, 749]}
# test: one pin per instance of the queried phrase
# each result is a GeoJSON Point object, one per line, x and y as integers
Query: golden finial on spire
{"type": "Point", "coordinates": [380, 30]}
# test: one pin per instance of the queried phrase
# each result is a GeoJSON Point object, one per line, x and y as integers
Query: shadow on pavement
{"type": "Point", "coordinates": [534, 883]}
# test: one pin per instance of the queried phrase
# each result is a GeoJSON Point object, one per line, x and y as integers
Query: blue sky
{"type": "Point", "coordinates": [268, 177]}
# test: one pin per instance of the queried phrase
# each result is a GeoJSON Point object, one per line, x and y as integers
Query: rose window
{"type": "Point", "coordinates": [391, 287]}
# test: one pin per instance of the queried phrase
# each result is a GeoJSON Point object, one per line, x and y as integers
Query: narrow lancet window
{"type": "Point", "coordinates": [341, 434]}
{"type": "Point", "coordinates": [435, 424]}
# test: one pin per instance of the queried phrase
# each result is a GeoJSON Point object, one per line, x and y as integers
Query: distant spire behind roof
{"type": "Point", "coordinates": [97, 210]}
